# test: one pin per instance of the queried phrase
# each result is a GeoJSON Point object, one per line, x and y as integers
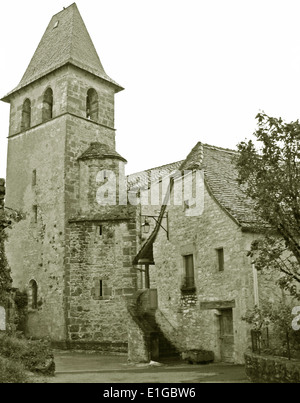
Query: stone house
{"type": "Point", "coordinates": [93, 277]}
{"type": "Point", "coordinates": [199, 269]}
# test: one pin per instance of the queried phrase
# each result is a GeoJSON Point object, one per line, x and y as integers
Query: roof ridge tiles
{"type": "Point", "coordinates": [229, 150]}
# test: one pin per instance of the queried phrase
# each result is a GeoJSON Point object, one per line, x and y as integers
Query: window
{"type": "Point", "coordinates": [189, 279]}
{"type": "Point", "coordinates": [47, 111]}
{"type": "Point", "coordinates": [92, 104]}
{"type": "Point", "coordinates": [34, 177]}
{"type": "Point", "coordinates": [98, 231]}
{"type": "Point", "coordinates": [33, 294]}
{"type": "Point", "coordinates": [26, 115]}
{"type": "Point", "coordinates": [220, 257]}
{"type": "Point", "coordinates": [35, 214]}
{"type": "Point", "coordinates": [101, 289]}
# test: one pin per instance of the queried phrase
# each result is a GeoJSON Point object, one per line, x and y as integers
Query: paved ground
{"type": "Point", "coordinates": [82, 367]}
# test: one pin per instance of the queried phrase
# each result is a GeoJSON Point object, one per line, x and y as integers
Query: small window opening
{"type": "Point", "coordinates": [100, 231]}
{"type": "Point", "coordinates": [101, 288]}
{"type": "Point", "coordinates": [56, 24]}
{"type": "Point", "coordinates": [220, 255]}
{"type": "Point", "coordinates": [35, 214]}
{"type": "Point", "coordinates": [33, 296]}
{"type": "Point", "coordinates": [34, 177]}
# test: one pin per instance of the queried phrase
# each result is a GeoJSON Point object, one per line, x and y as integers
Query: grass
{"type": "Point", "coordinates": [19, 357]}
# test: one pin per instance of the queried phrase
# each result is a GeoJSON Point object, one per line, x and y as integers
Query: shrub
{"type": "Point", "coordinates": [12, 371]}
{"type": "Point", "coordinates": [273, 326]}
{"type": "Point", "coordinates": [21, 304]}
{"type": "Point", "coordinates": [33, 354]}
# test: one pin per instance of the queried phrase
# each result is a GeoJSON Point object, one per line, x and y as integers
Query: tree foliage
{"type": "Point", "coordinates": [269, 173]}
{"type": "Point", "coordinates": [5, 278]}
{"type": "Point", "coordinates": [278, 317]}
{"type": "Point", "coordinates": [7, 218]}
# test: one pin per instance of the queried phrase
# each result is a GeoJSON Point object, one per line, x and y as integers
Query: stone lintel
{"type": "Point", "coordinates": [205, 305]}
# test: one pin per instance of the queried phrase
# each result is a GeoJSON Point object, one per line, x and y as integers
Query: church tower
{"type": "Point", "coordinates": [73, 251]}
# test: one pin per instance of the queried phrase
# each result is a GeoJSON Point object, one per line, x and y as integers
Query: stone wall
{"type": "Point", "coordinates": [138, 344]}
{"type": "Point", "coordinates": [268, 369]}
{"type": "Point", "coordinates": [44, 183]}
{"type": "Point", "coordinates": [35, 92]}
{"type": "Point", "coordinates": [100, 278]}
{"type": "Point", "coordinates": [35, 247]}
{"type": "Point", "coordinates": [194, 324]}
{"type": "Point", "coordinates": [79, 83]}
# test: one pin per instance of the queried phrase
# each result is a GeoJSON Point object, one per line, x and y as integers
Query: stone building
{"type": "Point", "coordinates": [94, 278]}
{"type": "Point", "coordinates": [199, 268]}
{"type": "Point", "coordinates": [71, 254]}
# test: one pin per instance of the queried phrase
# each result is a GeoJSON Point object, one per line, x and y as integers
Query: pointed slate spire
{"type": "Point", "coordinates": [66, 40]}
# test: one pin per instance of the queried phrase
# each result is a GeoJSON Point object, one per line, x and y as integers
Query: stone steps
{"type": "Point", "coordinates": [166, 348]}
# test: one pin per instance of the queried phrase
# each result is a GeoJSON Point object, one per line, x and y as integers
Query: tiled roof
{"type": "Point", "coordinates": [100, 151]}
{"type": "Point", "coordinates": [66, 40]}
{"type": "Point", "coordinates": [142, 180]}
{"type": "Point", "coordinates": [221, 181]}
{"type": "Point", "coordinates": [220, 177]}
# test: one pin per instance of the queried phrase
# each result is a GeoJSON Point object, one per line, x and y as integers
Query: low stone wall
{"type": "Point", "coordinates": [269, 369]}
{"type": "Point", "coordinates": [100, 347]}
{"type": "Point", "coordinates": [138, 344]}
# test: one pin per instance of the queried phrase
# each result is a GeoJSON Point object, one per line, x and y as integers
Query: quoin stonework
{"type": "Point", "coordinates": [153, 264]}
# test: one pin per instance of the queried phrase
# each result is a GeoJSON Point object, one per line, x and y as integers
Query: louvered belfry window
{"type": "Point", "coordinates": [92, 105]}
{"type": "Point", "coordinates": [47, 105]}
{"type": "Point", "coordinates": [26, 115]}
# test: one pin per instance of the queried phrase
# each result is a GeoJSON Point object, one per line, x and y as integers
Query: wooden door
{"type": "Point", "coordinates": [226, 335]}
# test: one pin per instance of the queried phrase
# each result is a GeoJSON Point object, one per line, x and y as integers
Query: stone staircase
{"type": "Point", "coordinates": [166, 350]}
{"type": "Point", "coordinates": [142, 307]}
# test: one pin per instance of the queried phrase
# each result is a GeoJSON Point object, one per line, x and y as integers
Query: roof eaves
{"type": "Point", "coordinates": [220, 204]}
{"type": "Point", "coordinates": [106, 78]}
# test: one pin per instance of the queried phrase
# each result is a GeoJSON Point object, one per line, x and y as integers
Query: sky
{"type": "Point", "coordinates": [193, 70]}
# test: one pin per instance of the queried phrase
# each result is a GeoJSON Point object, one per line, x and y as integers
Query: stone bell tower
{"type": "Point", "coordinates": [71, 254]}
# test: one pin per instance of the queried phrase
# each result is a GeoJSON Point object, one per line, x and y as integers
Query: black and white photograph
{"type": "Point", "coordinates": [150, 194]}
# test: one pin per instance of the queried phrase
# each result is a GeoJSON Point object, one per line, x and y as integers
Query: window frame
{"type": "Point", "coordinates": [188, 284]}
